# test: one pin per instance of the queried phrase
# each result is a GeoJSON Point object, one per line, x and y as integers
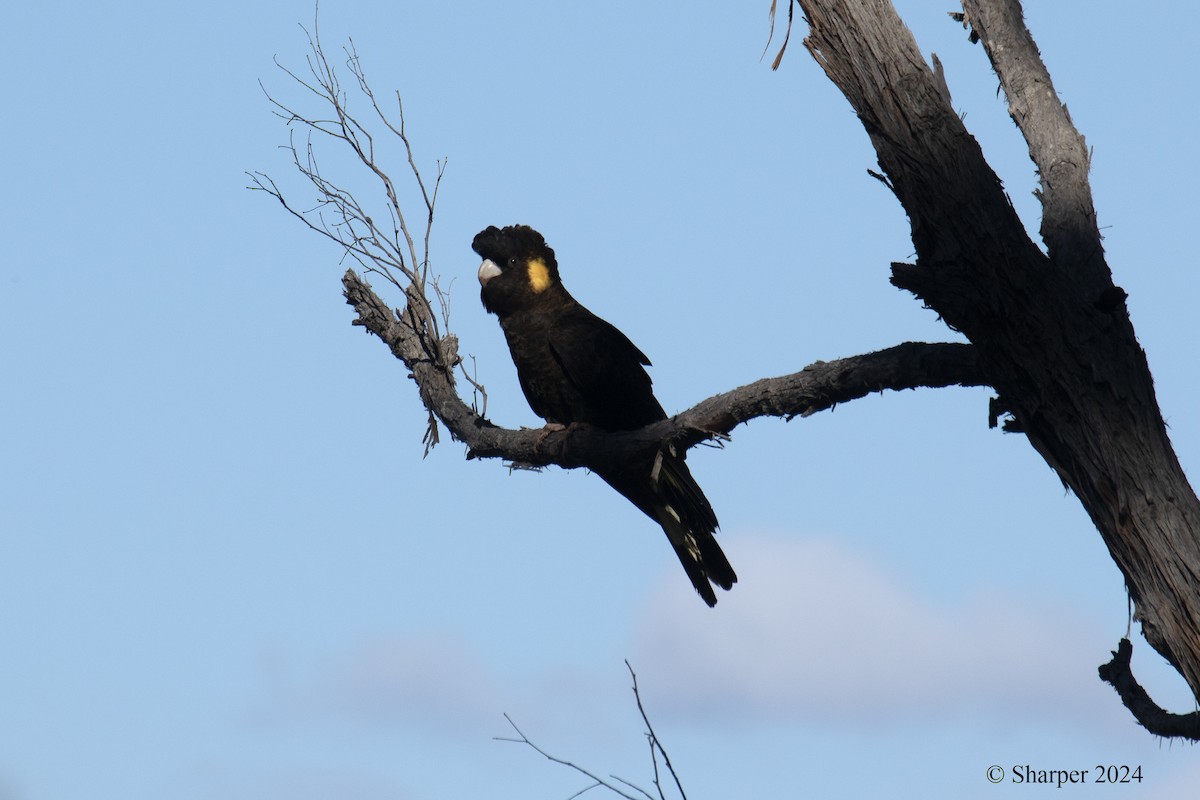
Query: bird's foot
{"type": "Point", "coordinates": [552, 427]}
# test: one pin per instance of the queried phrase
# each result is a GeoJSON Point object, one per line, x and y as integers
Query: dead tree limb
{"type": "Point", "coordinates": [1049, 331]}
{"type": "Point", "coordinates": [1052, 331]}
{"type": "Point", "coordinates": [1149, 715]}
{"type": "Point", "coordinates": [818, 387]}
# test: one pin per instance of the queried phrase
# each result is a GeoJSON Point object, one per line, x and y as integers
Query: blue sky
{"type": "Point", "coordinates": [227, 572]}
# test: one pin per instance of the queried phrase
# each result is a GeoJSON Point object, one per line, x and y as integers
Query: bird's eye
{"type": "Point", "coordinates": [512, 261]}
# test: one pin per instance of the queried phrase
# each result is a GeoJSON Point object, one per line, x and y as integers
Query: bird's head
{"type": "Point", "coordinates": [518, 268]}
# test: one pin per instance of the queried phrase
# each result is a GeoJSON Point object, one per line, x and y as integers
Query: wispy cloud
{"type": "Point", "coordinates": [432, 682]}
{"type": "Point", "coordinates": [408, 681]}
{"type": "Point", "coordinates": [816, 629]}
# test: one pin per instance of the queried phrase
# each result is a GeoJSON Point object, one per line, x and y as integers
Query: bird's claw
{"type": "Point", "coordinates": [551, 427]}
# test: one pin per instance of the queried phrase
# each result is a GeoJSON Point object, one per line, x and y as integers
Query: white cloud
{"type": "Point", "coordinates": [411, 681]}
{"type": "Point", "coordinates": [814, 632]}
{"type": "Point", "coordinates": [817, 630]}
{"type": "Point", "coordinates": [436, 683]}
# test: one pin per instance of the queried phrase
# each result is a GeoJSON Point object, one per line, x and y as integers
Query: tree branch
{"type": "Point", "coordinates": [655, 742]}
{"type": "Point", "coordinates": [1149, 715]}
{"type": "Point", "coordinates": [818, 387]}
{"type": "Point", "coordinates": [656, 749]}
{"type": "Point", "coordinates": [1068, 218]}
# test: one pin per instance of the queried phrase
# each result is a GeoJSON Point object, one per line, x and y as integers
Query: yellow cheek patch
{"type": "Point", "coordinates": [539, 275]}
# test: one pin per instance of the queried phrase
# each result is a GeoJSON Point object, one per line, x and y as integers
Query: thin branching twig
{"type": "Point", "coordinates": [655, 743]}
{"type": "Point", "coordinates": [390, 251]}
{"type": "Point", "coordinates": [597, 781]}
{"type": "Point", "coordinates": [656, 750]}
{"type": "Point", "coordinates": [387, 247]}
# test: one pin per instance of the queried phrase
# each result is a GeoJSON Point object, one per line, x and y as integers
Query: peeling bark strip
{"type": "Point", "coordinates": [1052, 330]}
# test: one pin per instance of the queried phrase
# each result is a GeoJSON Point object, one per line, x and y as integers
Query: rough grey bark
{"type": "Point", "coordinates": [1052, 330]}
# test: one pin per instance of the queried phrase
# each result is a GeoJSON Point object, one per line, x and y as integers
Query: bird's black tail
{"type": "Point", "coordinates": [671, 497]}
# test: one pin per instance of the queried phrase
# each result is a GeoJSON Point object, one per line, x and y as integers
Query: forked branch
{"type": "Point", "coordinates": [1052, 331]}
{"type": "Point", "coordinates": [656, 751]}
{"type": "Point", "coordinates": [386, 248]}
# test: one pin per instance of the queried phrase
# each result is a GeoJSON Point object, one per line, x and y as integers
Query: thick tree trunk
{"type": "Point", "coordinates": [1053, 333]}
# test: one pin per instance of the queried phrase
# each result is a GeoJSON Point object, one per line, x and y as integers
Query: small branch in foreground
{"type": "Point", "coordinates": [656, 749]}
{"type": "Point", "coordinates": [1148, 714]}
{"type": "Point", "coordinates": [596, 780]}
{"type": "Point", "coordinates": [655, 742]}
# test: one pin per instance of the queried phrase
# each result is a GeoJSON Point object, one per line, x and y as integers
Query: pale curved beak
{"type": "Point", "coordinates": [487, 271]}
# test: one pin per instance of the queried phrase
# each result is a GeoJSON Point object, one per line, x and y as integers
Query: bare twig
{"type": "Point", "coordinates": [388, 249]}
{"type": "Point", "coordinates": [633, 786]}
{"type": "Point", "coordinates": [377, 250]}
{"type": "Point", "coordinates": [655, 742]}
{"type": "Point", "coordinates": [597, 781]}
{"type": "Point", "coordinates": [656, 749]}
{"type": "Point", "coordinates": [479, 393]}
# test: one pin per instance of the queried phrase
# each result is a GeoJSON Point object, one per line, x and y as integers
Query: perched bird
{"type": "Point", "coordinates": [576, 368]}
